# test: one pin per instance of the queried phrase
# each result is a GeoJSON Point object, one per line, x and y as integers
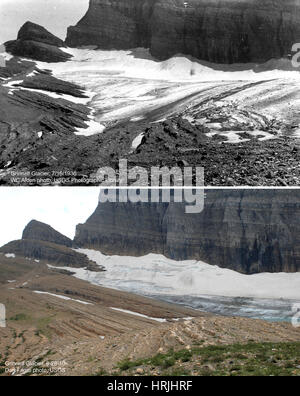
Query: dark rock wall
{"type": "Point", "coordinates": [221, 31]}
{"type": "Point", "coordinates": [124, 229]}
{"type": "Point", "coordinates": [247, 231]}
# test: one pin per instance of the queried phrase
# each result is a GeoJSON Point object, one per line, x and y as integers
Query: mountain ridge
{"type": "Point", "coordinates": [228, 31]}
{"type": "Point", "coordinates": [248, 231]}
{"type": "Point", "coordinates": [37, 43]}
{"type": "Point", "coordinates": [44, 232]}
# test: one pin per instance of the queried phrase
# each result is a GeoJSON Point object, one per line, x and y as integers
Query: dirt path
{"type": "Point", "coordinates": [87, 327]}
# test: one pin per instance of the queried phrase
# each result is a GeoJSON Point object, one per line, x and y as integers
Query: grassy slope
{"type": "Point", "coordinates": [252, 359]}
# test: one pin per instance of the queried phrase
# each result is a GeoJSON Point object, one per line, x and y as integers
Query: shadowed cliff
{"type": "Point", "coordinates": [247, 231]}
{"type": "Point", "coordinates": [221, 31]}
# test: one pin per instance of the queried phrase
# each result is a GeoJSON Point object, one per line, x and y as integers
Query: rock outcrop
{"type": "Point", "coordinates": [28, 114]}
{"type": "Point", "coordinates": [35, 42]}
{"type": "Point", "coordinates": [33, 32]}
{"type": "Point", "coordinates": [41, 242]}
{"type": "Point", "coordinates": [45, 82]}
{"type": "Point", "coordinates": [43, 232]}
{"type": "Point", "coordinates": [51, 253]}
{"type": "Point", "coordinates": [247, 231]}
{"type": "Point", "coordinates": [221, 31]}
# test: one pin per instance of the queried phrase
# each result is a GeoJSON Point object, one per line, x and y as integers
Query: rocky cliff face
{"type": "Point", "coordinates": [247, 231]}
{"type": "Point", "coordinates": [42, 242]}
{"type": "Point", "coordinates": [35, 42]}
{"type": "Point", "coordinates": [43, 232]}
{"type": "Point", "coordinates": [37, 33]}
{"type": "Point", "coordinates": [222, 31]}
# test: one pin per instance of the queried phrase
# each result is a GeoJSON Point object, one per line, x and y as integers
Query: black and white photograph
{"type": "Point", "coordinates": [206, 83]}
{"type": "Point", "coordinates": [150, 191]}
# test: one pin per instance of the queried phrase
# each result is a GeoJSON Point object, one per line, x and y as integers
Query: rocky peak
{"type": "Point", "coordinates": [42, 242]}
{"type": "Point", "coordinates": [36, 230]}
{"type": "Point", "coordinates": [35, 42]}
{"type": "Point", "coordinates": [32, 31]}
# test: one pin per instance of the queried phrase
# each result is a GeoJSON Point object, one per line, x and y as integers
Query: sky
{"type": "Point", "coordinates": [54, 15]}
{"type": "Point", "coordinates": [60, 207]}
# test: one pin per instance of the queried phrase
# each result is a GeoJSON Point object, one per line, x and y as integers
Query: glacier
{"type": "Point", "coordinates": [195, 284]}
{"type": "Point", "coordinates": [131, 86]}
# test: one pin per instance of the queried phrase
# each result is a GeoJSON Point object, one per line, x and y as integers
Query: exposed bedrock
{"type": "Point", "coordinates": [222, 31]}
{"type": "Point", "coordinates": [44, 232]}
{"type": "Point", "coordinates": [42, 242]}
{"type": "Point", "coordinates": [34, 32]}
{"type": "Point", "coordinates": [247, 231]}
{"type": "Point", "coordinates": [52, 253]}
{"type": "Point", "coordinates": [35, 42]}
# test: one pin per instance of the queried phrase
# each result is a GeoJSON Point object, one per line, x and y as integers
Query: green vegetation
{"type": "Point", "coordinates": [101, 373]}
{"type": "Point", "coordinates": [3, 359]}
{"type": "Point", "coordinates": [252, 359]}
{"type": "Point", "coordinates": [160, 360]}
{"type": "Point", "coordinates": [40, 323]}
{"type": "Point", "coordinates": [42, 327]}
{"type": "Point", "coordinates": [20, 317]}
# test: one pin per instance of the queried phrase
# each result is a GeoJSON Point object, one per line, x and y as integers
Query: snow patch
{"type": "Point", "coordinates": [93, 128]}
{"type": "Point", "coordinates": [161, 320]}
{"type": "Point", "coordinates": [63, 297]}
{"type": "Point", "coordinates": [234, 137]}
{"type": "Point", "coordinates": [136, 119]}
{"type": "Point", "coordinates": [54, 95]}
{"type": "Point", "coordinates": [13, 83]}
{"type": "Point", "coordinates": [138, 314]}
{"type": "Point", "coordinates": [137, 141]}
{"type": "Point", "coordinates": [32, 74]}
{"type": "Point", "coordinates": [8, 164]}
{"type": "Point", "coordinates": [10, 255]}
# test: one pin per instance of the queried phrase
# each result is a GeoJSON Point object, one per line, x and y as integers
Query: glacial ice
{"type": "Point", "coordinates": [156, 274]}
{"type": "Point", "coordinates": [130, 85]}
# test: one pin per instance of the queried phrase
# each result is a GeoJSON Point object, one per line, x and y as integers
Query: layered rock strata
{"type": "Point", "coordinates": [225, 31]}
{"type": "Point", "coordinates": [247, 231]}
